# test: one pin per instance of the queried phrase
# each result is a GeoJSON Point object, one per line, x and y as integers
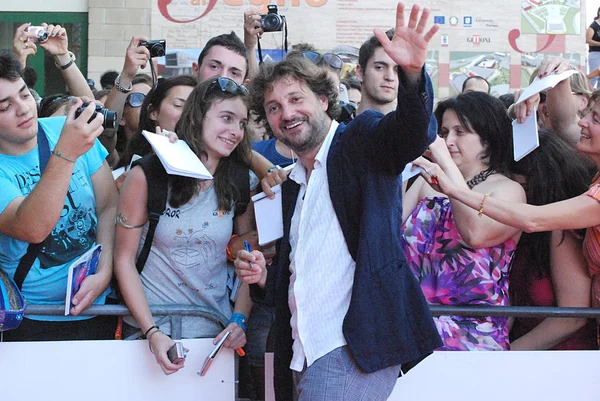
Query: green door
{"type": "Point", "coordinates": [50, 80]}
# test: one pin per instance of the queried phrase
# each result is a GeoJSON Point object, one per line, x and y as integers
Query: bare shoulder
{"type": "Point", "coordinates": [502, 187]}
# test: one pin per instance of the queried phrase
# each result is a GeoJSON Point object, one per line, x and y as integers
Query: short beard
{"type": "Point", "coordinates": [317, 133]}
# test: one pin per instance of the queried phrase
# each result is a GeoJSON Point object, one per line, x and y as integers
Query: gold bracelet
{"type": "Point", "coordinates": [481, 204]}
{"type": "Point", "coordinates": [58, 154]}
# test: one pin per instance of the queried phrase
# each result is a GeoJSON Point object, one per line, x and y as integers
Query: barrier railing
{"type": "Point", "coordinates": [176, 312]}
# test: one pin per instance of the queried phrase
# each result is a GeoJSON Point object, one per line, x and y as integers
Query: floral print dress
{"type": "Point", "coordinates": [452, 273]}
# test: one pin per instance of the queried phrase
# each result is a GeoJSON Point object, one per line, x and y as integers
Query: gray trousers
{"type": "Point", "coordinates": [337, 377]}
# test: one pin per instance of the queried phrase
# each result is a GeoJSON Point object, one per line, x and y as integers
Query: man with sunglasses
{"type": "Point", "coordinates": [349, 312]}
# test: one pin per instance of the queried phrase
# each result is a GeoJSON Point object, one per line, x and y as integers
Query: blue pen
{"type": "Point", "coordinates": [247, 246]}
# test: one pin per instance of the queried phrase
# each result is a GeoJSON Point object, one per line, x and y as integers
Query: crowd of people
{"type": "Point", "coordinates": [367, 254]}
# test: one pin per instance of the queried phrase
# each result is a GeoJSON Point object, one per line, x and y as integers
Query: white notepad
{"type": "Point", "coordinates": [525, 136]}
{"type": "Point", "coordinates": [269, 216]}
{"type": "Point", "coordinates": [540, 84]}
{"type": "Point", "coordinates": [177, 158]}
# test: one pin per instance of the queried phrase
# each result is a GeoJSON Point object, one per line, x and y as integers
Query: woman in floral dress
{"type": "Point", "coordinates": [459, 256]}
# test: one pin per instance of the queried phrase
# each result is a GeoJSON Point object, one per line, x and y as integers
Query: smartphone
{"type": "Point", "coordinates": [176, 353]}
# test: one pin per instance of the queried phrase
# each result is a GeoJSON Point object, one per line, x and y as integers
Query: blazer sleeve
{"type": "Point", "coordinates": [401, 136]}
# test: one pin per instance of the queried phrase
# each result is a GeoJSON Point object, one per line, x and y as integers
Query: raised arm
{"type": "Point", "coordinates": [22, 48]}
{"type": "Point", "coordinates": [580, 212]}
{"type": "Point", "coordinates": [32, 218]}
{"type": "Point", "coordinates": [252, 32]}
{"type": "Point", "coordinates": [404, 135]}
{"type": "Point", "coordinates": [562, 105]}
{"type": "Point", "coordinates": [135, 57]}
{"type": "Point", "coordinates": [58, 46]}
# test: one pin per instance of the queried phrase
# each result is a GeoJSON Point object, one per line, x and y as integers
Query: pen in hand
{"type": "Point", "coordinates": [240, 351]}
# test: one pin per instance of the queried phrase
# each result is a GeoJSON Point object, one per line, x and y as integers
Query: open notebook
{"type": "Point", "coordinates": [177, 158]}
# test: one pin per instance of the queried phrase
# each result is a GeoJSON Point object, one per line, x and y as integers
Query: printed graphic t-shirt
{"type": "Point", "coordinates": [75, 231]}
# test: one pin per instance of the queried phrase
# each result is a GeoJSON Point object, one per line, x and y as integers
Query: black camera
{"type": "Point", "coordinates": [110, 117]}
{"type": "Point", "coordinates": [272, 22]}
{"type": "Point", "coordinates": [157, 48]}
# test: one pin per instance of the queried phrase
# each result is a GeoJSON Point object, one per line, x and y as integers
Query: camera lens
{"type": "Point", "coordinates": [272, 22]}
{"type": "Point", "coordinates": [157, 50]}
{"type": "Point", "coordinates": [110, 118]}
{"type": "Point", "coordinates": [42, 35]}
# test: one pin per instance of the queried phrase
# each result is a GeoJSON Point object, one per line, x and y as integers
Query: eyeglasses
{"type": "Point", "coordinates": [332, 60]}
{"type": "Point", "coordinates": [135, 99]}
{"type": "Point", "coordinates": [228, 85]}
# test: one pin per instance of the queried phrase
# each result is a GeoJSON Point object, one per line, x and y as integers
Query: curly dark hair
{"type": "Point", "coordinates": [317, 79]}
{"type": "Point", "coordinates": [190, 128]}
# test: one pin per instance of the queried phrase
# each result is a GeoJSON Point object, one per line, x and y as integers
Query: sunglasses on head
{"type": "Point", "coordinates": [332, 60]}
{"type": "Point", "coordinates": [135, 99]}
{"type": "Point", "coordinates": [228, 85]}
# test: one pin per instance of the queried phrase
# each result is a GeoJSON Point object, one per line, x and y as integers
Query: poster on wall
{"type": "Point", "coordinates": [497, 31]}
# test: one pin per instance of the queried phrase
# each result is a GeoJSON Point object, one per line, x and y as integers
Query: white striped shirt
{"type": "Point", "coordinates": [322, 270]}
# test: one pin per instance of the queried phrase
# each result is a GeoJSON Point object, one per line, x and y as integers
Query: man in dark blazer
{"type": "Point", "coordinates": [349, 312]}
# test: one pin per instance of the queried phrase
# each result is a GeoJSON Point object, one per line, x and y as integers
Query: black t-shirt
{"type": "Point", "coordinates": [596, 27]}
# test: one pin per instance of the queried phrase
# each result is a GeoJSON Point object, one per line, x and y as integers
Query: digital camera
{"type": "Point", "coordinates": [157, 48]}
{"type": "Point", "coordinates": [41, 35]}
{"type": "Point", "coordinates": [110, 117]}
{"type": "Point", "coordinates": [272, 21]}
{"type": "Point", "coordinates": [176, 353]}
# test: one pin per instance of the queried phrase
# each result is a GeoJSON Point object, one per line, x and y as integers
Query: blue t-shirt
{"type": "Point", "coordinates": [75, 231]}
{"type": "Point", "coordinates": [267, 149]}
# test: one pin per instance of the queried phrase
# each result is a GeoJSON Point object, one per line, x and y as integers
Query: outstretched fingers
{"type": "Point", "coordinates": [432, 31]}
{"type": "Point", "coordinates": [414, 15]}
{"type": "Point", "coordinates": [423, 20]}
{"type": "Point", "coordinates": [400, 15]}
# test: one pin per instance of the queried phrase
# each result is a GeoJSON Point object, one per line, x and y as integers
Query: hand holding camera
{"type": "Point", "coordinates": [52, 38]}
{"type": "Point", "coordinates": [80, 130]}
{"type": "Point", "coordinates": [136, 56]}
{"type": "Point", "coordinates": [164, 349]}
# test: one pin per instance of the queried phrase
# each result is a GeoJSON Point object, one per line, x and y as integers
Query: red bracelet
{"type": "Point", "coordinates": [230, 256]}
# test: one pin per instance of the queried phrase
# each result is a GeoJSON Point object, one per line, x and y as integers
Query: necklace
{"type": "Point", "coordinates": [479, 178]}
{"type": "Point", "coordinates": [292, 153]}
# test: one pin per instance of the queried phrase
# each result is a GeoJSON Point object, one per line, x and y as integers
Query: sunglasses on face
{"type": "Point", "coordinates": [332, 60]}
{"type": "Point", "coordinates": [135, 99]}
{"type": "Point", "coordinates": [228, 85]}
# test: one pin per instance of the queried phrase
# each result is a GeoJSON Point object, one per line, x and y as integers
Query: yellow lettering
{"type": "Point", "coordinates": [233, 2]}
{"type": "Point", "coordinates": [316, 3]}
{"type": "Point", "coordinates": [262, 3]}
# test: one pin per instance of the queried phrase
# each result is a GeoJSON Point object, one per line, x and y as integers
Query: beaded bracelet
{"type": "Point", "coordinates": [240, 319]}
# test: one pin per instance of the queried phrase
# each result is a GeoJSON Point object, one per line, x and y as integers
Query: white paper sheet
{"type": "Point", "coordinates": [269, 216]}
{"type": "Point", "coordinates": [408, 173]}
{"type": "Point", "coordinates": [525, 136]}
{"type": "Point", "coordinates": [540, 84]}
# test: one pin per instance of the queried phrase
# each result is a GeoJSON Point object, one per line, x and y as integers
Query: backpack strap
{"type": "Point", "coordinates": [241, 179]}
{"type": "Point", "coordinates": [33, 249]}
{"type": "Point", "coordinates": [158, 189]}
